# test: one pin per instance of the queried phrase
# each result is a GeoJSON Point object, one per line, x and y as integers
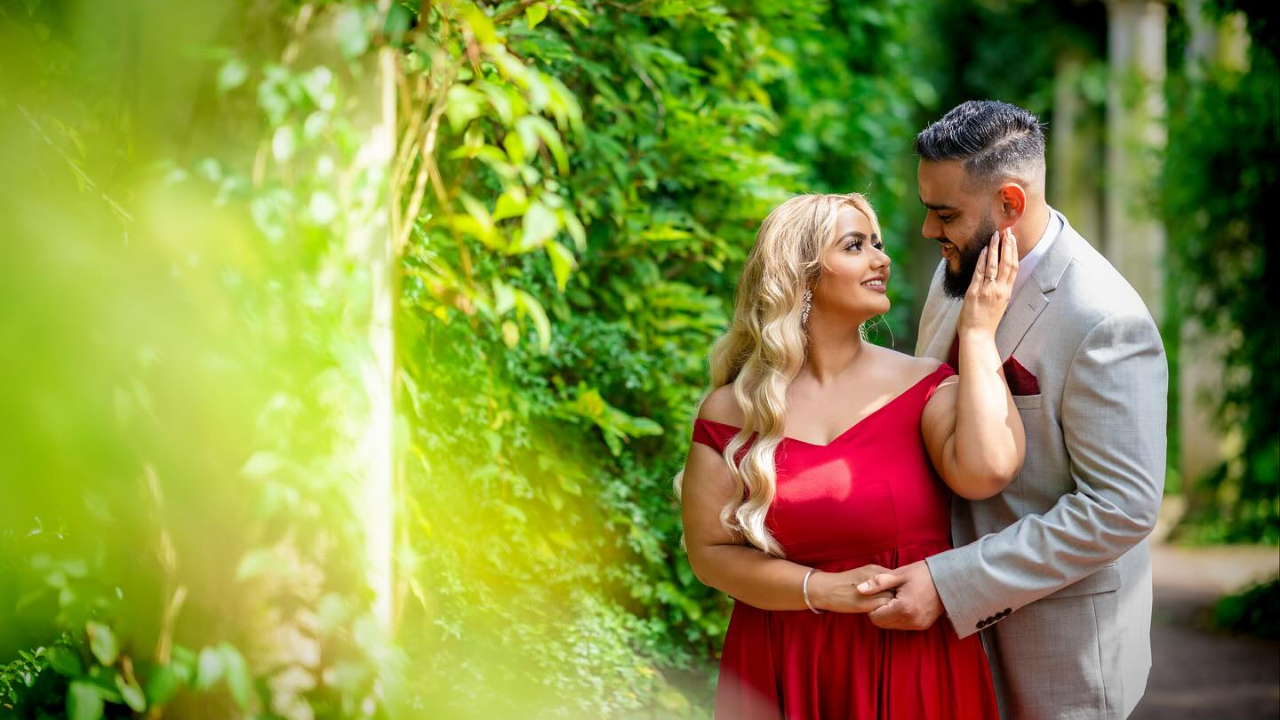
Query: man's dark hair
{"type": "Point", "coordinates": [994, 140]}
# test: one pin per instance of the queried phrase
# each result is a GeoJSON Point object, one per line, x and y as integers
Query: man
{"type": "Point", "coordinates": [1055, 571]}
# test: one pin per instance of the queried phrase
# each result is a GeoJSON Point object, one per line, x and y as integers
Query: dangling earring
{"type": "Point", "coordinates": [808, 305]}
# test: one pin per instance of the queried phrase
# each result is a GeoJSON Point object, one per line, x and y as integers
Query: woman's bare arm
{"type": "Point", "coordinates": [723, 560]}
{"type": "Point", "coordinates": [971, 427]}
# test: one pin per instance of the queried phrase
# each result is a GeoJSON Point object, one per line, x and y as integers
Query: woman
{"type": "Point", "coordinates": [820, 459]}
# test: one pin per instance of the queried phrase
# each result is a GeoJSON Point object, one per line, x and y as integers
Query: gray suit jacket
{"type": "Point", "coordinates": [1056, 571]}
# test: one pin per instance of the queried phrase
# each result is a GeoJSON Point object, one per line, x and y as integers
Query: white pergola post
{"type": "Point", "coordinates": [1075, 147]}
{"type": "Point", "coordinates": [1134, 235]}
{"type": "Point", "coordinates": [1223, 44]}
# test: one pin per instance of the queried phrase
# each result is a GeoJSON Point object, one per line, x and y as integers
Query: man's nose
{"type": "Point", "coordinates": [932, 229]}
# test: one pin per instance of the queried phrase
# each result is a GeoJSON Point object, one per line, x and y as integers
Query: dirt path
{"type": "Point", "coordinates": [1197, 674]}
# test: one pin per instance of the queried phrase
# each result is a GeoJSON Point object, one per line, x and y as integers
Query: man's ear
{"type": "Point", "coordinates": [1013, 203]}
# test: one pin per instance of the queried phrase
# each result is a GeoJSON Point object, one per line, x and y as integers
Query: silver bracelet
{"type": "Point", "coordinates": [804, 588]}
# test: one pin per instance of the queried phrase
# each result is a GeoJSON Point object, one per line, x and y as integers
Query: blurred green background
{"type": "Point", "coordinates": [349, 348]}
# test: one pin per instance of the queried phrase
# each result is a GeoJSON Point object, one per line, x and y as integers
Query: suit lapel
{"type": "Point", "coordinates": [939, 345]}
{"type": "Point", "coordinates": [1023, 311]}
{"type": "Point", "coordinates": [937, 321]}
{"type": "Point", "coordinates": [1034, 296]}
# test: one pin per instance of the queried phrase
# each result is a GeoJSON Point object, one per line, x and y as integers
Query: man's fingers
{"type": "Point", "coordinates": [880, 583]}
{"type": "Point", "coordinates": [888, 616]}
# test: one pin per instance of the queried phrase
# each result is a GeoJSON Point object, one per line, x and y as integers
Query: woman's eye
{"type": "Point", "coordinates": [855, 245]}
{"type": "Point", "coordinates": [879, 245]}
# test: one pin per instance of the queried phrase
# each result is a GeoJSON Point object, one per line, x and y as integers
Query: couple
{"type": "Point", "coordinates": [956, 535]}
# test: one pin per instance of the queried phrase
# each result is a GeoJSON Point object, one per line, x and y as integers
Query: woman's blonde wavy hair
{"type": "Point", "coordinates": [765, 347]}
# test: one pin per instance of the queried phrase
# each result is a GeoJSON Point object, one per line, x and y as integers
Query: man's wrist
{"type": "Point", "coordinates": [934, 582]}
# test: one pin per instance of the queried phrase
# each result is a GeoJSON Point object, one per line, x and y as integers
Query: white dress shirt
{"type": "Point", "coordinates": [1027, 265]}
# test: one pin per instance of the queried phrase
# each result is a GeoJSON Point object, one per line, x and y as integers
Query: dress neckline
{"type": "Point", "coordinates": [852, 427]}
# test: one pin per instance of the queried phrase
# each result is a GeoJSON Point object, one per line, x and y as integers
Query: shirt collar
{"type": "Point", "coordinates": [1027, 266]}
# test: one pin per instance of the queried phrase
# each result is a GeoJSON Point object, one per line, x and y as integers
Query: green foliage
{"type": "Point", "coordinates": [185, 392]}
{"type": "Point", "coordinates": [1010, 50]}
{"type": "Point", "coordinates": [557, 457]}
{"type": "Point", "coordinates": [567, 190]}
{"type": "Point", "coordinates": [1220, 176]}
{"type": "Point", "coordinates": [1252, 611]}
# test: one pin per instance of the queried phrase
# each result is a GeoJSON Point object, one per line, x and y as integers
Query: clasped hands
{"type": "Point", "coordinates": [902, 599]}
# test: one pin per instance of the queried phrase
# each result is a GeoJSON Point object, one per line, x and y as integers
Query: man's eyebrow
{"type": "Point", "coordinates": [932, 206]}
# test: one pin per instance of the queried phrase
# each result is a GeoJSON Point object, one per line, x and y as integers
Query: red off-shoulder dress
{"type": "Point", "coordinates": [871, 496]}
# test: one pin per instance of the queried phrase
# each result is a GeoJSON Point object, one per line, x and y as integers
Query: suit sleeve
{"type": "Point", "coordinates": [1113, 422]}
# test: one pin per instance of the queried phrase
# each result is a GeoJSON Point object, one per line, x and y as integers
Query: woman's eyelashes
{"type": "Point", "coordinates": [856, 245]}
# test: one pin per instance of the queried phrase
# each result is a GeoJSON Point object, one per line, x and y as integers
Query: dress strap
{"type": "Point", "coordinates": [712, 434]}
{"type": "Point", "coordinates": [943, 372]}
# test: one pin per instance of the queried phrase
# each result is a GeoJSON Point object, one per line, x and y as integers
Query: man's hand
{"type": "Point", "coordinates": [916, 605]}
{"type": "Point", "coordinates": [838, 592]}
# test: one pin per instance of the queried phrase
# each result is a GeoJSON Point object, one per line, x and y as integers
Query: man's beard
{"type": "Point", "coordinates": [956, 284]}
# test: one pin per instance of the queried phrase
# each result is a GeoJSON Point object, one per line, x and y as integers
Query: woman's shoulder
{"type": "Point", "coordinates": [900, 364]}
{"type": "Point", "coordinates": [720, 406]}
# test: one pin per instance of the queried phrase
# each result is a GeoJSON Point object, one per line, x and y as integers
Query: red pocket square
{"type": "Point", "coordinates": [1021, 381]}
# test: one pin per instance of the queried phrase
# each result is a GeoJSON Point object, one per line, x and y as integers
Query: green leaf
{"type": "Point", "coordinates": [481, 25]}
{"type": "Point", "coordinates": [84, 701]}
{"type": "Point", "coordinates": [532, 128]}
{"type": "Point", "coordinates": [352, 31]}
{"type": "Point", "coordinates": [574, 226]}
{"type": "Point", "coordinates": [478, 212]}
{"type": "Point", "coordinates": [184, 666]}
{"type": "Point", "coordinates": [65, 661]}
{"type": "Point", "coordinates": [209, 668]}
{"type": "Point", "coordinates": [515, 148]}
{"type": "Point", "coordinates": [504, 298]}
{"type": "Point", "coordinates": [398, 19]}
{"type": "Point", "coordinates": [131, 693]}
{"type": "Point", "coordinates": [528, 303]}
{"type": "Point", "coordinates": [504, 101]}
{"type": "Point", "coordinates": [540, 224]}
{"type": "Point", "coordinates": [162, 685]}
{"type": "Point", "coordinates": [103, 643]}
{"type": "Point", "coordinates": [232, 75]}
{"type": "Point", "coordinates": [535, 14]}
{"type": "Point", "coordinates": [562, 262]}
{"type": "Point", "coordinates": [512, 203]}
{"type": "Point", "coordinates": [323, 208]}
{"type": "Point", "coordinates": [510, 334]}
{"type": "Point", "coordinates": [239, 682]}
{"type": "Point", "coordinates": [463, 105]}
{"type": "Point", "coordinates": [254, 563]}
{"type": "Point", "coordinates": [283, 143]}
